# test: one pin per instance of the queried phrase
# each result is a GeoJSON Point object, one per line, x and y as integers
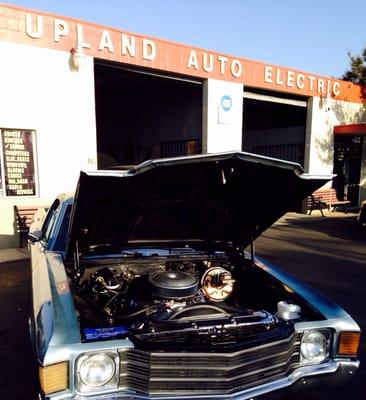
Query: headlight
{"type": "Point", "coordinates": [314, 347]}
{"type": "Point", "coordinates": [96, 372]}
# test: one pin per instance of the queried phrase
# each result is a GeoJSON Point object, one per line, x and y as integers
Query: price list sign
{"type": "Point", "coordinates": [18, 159]}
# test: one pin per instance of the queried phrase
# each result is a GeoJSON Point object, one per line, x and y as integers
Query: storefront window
{"type": "Point", "coordinates": [17, 163]}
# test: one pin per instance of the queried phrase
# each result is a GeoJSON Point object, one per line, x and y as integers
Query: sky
{"type": "Point", "coordinates": [310, 35]}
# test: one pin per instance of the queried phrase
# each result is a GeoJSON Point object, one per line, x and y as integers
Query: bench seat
{"type": "Point", "coordinates": [325, 198]}
{"type": "Point", "coordinates": [24, 218]}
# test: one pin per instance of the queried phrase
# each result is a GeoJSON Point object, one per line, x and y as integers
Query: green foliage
{"type": "Point", "coordinates": [357, 71]}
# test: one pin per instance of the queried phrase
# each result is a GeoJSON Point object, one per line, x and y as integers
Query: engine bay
{"type": "Point", "coordinates": [197, 298]}
{"type": "Point", "coordinates": [134, 292]}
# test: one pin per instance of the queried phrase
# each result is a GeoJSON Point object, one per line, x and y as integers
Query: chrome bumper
{"type": "Point", "coordinates": [333, 373]}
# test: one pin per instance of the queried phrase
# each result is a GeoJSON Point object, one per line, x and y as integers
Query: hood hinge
{"type": "Point", "coordinates": [252, 250]}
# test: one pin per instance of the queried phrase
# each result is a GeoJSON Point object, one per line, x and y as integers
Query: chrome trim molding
{"type": "Point", "coordinates": [188, 373]}
{"type": "Point", "coordinates": [331, 370]}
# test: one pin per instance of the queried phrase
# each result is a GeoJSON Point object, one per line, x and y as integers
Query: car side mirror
{"type": "Point", "coordinates": [35, 236]}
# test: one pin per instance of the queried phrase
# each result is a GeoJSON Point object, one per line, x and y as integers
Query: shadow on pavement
{"type": "Point", "coordinates": [16, 360]}
{"type": "Point", "coordinates": [329, 254]}
{"type": "Point", "coordinates": [345, 227]}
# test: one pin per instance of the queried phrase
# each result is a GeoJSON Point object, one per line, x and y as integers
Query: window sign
{"type": "Point", "coordinates": [18, 162]}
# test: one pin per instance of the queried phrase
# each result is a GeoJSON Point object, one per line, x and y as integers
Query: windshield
{"type": "Point", "coordinates": [60, 244]}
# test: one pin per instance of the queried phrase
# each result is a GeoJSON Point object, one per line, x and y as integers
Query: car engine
{"type": "Point", "coordinates": [142, 291]}
{"type": "Point", "coordinates": [191, 301]}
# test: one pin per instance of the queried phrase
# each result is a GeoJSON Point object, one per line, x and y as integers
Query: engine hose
{"type": "Point", "coordinates": [143, 311]}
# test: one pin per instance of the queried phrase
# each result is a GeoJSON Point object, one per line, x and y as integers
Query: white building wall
{"type": "Point", "coordinates": [41, 91]}
{"type": "Point", "coordinates": [222, 129]}
{"type": "Point", "coordinates": [324, 115]}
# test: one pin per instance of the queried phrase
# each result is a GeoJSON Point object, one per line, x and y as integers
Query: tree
{"type": "Point", "coordinates": [357, 71]}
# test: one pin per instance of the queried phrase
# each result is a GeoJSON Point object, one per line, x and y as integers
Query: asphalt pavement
{"type": "Point", "coordinates": [328, 253]}
{"type": "Point", "coordinates": [17, 372]}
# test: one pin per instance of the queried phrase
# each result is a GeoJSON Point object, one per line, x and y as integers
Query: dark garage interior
{"type": "Point", "coordinates": [348, 150]}
{"type": "Point", "coordinates": [142, 115]}
{"type": "Point", "coordinates": [274, 128]}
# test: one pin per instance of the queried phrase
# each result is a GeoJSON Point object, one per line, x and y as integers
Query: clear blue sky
{"type": "Point", "coordinates": [312, 35]}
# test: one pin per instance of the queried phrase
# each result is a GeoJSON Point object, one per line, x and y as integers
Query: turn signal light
{"type": "Point", "coordinates": [348, 343]}
{"type": "Point", "coordinates": [53, 378]}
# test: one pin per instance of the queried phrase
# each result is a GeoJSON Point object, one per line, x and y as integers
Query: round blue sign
{"type": "Point", "coordinates": [226, 102]}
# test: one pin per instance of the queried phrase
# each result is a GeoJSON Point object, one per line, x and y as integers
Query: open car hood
{"type": "Point", "coordinates": [231, 197]}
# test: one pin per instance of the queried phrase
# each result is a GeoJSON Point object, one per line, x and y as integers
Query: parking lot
{"type": "Point", "coordinates": [328, 253]}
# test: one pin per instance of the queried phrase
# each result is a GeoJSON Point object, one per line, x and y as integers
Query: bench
{"type": "Point", "coordinates": [325, 198]}
{"type": "Point", "coordinates": [24, 218]}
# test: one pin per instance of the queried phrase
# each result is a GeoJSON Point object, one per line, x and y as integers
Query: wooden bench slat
{"type": "Point", "coordinates": [325, 198]}
{"type": "Point", "coordinates": [24, 218]}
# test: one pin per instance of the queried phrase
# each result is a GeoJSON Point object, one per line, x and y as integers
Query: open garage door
{"type": "Point", "coordinates": [141, 115]}
{"type": "Point", "coordinates": [274, 126]}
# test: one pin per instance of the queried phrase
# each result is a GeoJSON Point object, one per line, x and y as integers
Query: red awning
{"type": "Point", "coordinates": [355, 129]}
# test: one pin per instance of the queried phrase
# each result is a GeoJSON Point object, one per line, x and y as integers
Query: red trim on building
{"type": "Point", "coordinates": [39, 29]}
{"type": "Point", "coordinates": [355, 129]}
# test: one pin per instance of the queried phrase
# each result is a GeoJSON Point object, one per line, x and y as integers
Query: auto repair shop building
{"type": "Point", "coordinates": [76, 95]}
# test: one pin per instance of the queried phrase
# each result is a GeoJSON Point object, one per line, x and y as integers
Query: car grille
{"type": "Point", "coordinates": [203, 373]}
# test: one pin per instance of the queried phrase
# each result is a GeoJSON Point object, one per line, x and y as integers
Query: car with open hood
{"type": "Point", "coordinates": [146, 286]}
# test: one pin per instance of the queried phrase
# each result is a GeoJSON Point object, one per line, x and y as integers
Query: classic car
{"type": "Point", "coordinates": [146, 286]}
